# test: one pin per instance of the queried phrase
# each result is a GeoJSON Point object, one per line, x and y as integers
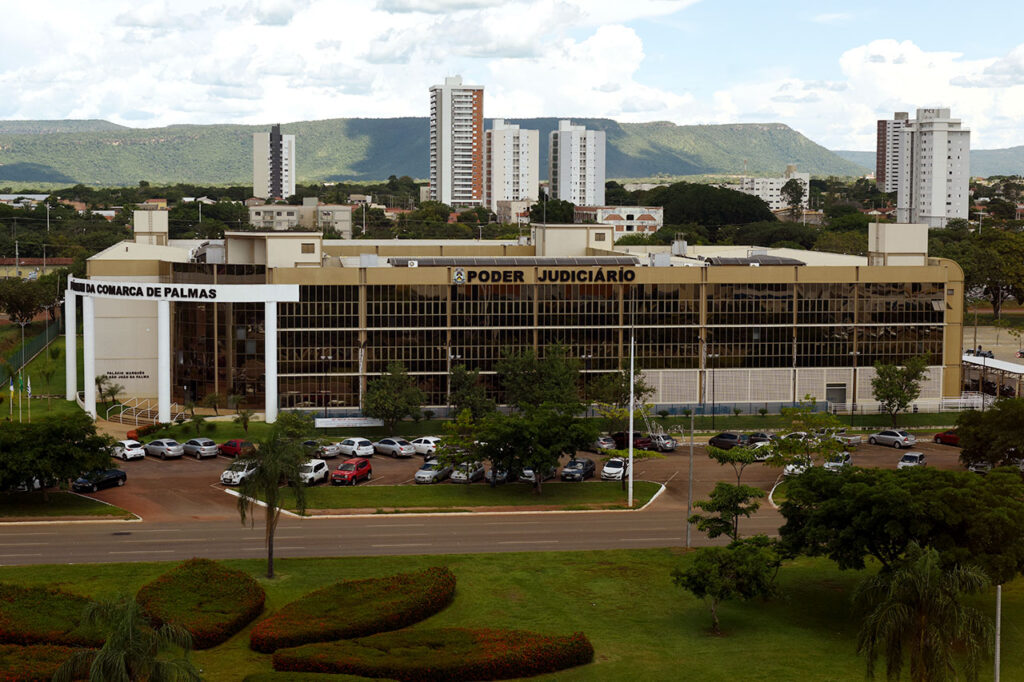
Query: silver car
{"type": "Point", "coordinates": [897, 439]}
{"type": "Point", "coordinates": [911, 459]}
{"type": "Point", "coordinates": [326, 449]}
{"type": "Point", "coordinates": [164, 448]}
{"type": "Point", "coordinates": [200, 447]}
{"type": "Point", "coordinates": [432, 471]}
{"type": "Point", "coordinates": [467, 472]}
{"type": "Point", "coordinates": [396, 447]}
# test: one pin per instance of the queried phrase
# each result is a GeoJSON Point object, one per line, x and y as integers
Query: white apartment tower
{"type": "Point", "coordinates": [934, 169]}
{"type": "Point", "coordinates": [457, 143]}
{"type": "Point", "coordinates": [511, 167]}
{"type": "Point", "coordinates": [273, 164]}
{"type": "Point", "coordinates": [887, 152]}
{"type": "Point", "coordinates": [576, 164]}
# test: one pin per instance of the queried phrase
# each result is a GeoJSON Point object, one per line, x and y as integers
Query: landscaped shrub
{"type": "Point", "coordinates": [356, 608]}
{"type": "Point", "coordinates": [208, 600]}
{"type": "Point", "coordinates": [38, 615]}
{"type": "Point", "coordinates": [443, 655]}
{"type": "Point", "coordinates": [35, 663]}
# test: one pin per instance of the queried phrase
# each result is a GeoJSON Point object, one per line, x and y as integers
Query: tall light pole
{"type": "Point", "coordinates": [853, 387]}
{"type": "Point", "coordinates": [689, 491]}
{"type": "Point", "coordinates": [629, 438]}
{"type": "Point", "coordinates": [586, 357]}
{"type": "Point", "coordinates": [713, 356]}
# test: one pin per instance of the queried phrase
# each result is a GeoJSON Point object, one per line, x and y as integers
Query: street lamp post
{"type": "Point", "coordinates": [853, 387]}
{"type": "Point", "coordinates": [713, 356]}
{"type": "Point", "coordinates": [587, 357]}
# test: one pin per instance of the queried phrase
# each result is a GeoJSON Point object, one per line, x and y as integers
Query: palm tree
{"type": "Point", "coordinates": [279, 457]}
{"type": "Point", "coordinates": [243, 417]}
{"type": "Point", "coordinates": [112, 389]}
{"type": "Point", "coordinates": [132, 649]}
{"type": "Point", "coordinates": [214, 400]}
{"type": "Point", "coordinates": [914, 611]}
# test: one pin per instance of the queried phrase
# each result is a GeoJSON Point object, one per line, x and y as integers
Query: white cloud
{"type": "Point", "coordinates": [832, 18]}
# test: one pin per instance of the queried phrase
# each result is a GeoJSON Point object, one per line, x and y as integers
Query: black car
{"type": "Point", "coordinates": [579, 469]}
{"type": "Point", "coordinates": [94, 480]}
{"type": "Point", "coordinates": [728, 441]}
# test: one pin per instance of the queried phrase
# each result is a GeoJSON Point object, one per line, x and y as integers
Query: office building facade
{"type": "Point", "coordinates": [457, 143]}
{"type": "Point", "coordinates": [576, 164]}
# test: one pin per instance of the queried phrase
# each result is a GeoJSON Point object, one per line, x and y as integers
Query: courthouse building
{"type": "Point", "coordinates": [288, 320]}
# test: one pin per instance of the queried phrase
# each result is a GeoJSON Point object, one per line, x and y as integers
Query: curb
{"type": "Point", "coordinates": [137, 519]}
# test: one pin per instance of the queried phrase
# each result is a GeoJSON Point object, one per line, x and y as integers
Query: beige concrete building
{"type": "Point", "coordinates": [311, 215]}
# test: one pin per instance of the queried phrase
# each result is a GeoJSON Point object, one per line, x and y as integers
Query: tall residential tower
{"type": "Point", "coordinates": [934, 169]}
{"type": "Point", "coordinates": [273, 164]}
{"type": "Point", "coordinates": [457, 143]}
{"type": "Point", "coordinates": [511, 168]}
{"type": "Point", "coordinates": [887, 152]}
{"type": "Point", "coordinates": [576, 164]}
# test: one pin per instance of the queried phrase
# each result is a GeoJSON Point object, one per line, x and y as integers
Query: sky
{"type": "Point", "coordinates": [827, 69]}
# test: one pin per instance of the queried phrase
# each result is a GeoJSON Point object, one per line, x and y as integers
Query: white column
{"type": "Point", "coordinates": [163, 361]}
{"type": "Point", "coordinates": [270, 359]}
{"type": "Point", "coordinates": [70, 345]}
{"type": "Point", "coordinates": [89, 353]}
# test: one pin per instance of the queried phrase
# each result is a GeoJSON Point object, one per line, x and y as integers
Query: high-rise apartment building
{"type": "Point", "coordinates": [576, 164]}
{"type": "Point", "coordinates": [887, 152]}
{"type": "Point", "coordinates": [511, 168]}
{"type": "Point", "coordinates": [457, 143]}
{"type": "Point", "coordinates": [934, 169]}
{"type": "Point", "coordinates": [273, 164]}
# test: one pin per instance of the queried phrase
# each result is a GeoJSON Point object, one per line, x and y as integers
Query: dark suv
{"type": "Point", "coordinates": [728, 441]}
{"type": "Point", "coordinates": [640, 441]}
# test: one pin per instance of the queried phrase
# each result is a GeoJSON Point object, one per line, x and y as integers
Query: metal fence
{"type": "Point", "coordinates": [33, 346]}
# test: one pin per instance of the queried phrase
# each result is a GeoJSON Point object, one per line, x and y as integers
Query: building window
{"type": "Point", "coordinates": [308, 248]}
{"type": "Point", "coordinates": [599, 237]}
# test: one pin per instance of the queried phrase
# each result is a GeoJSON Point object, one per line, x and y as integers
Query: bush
{"type": "Point", "coordinates": [35, 663]}
{"type": "Point", "coordinates": [37, 615]}
{"type": "Point", "coordinates": [143, 430]}
{"type": "Point", "coordinates": [208, 600]}
{"type": "Point", "coordinates": [356, 608]}
{"type": "Point", "coordinates": [446, 654]}
{"type": "Point", "coordinates": [210, 428]}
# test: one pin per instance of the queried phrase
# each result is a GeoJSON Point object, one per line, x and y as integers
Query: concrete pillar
{"type": "Point", "coordinates": [163, 361]}
{"type": "Point", "coordinates": [89, 354]}
{"type": "Point", "coordinates": [270, 359]}
{"type": "Point", "coordinates": [70, 345]}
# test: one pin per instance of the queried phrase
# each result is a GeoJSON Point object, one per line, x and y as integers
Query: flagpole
{"type": "Point", "coordinates": [21, 389]}
{"type": "Point", "coordinates": [30, 400]}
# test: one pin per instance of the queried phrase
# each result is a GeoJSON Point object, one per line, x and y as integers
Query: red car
{"type": "Point", "coordinates": [236, 448]}
{"type": "Point", "coordinates": [948, 437]}
{"type": "Point", "coordinates": [351, 470]}
{"type": "Point", "coordinates": [640, 441]}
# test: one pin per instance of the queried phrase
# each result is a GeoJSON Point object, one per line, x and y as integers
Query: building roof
{"type": "Point", "coordinates": [36, 261]}
{"type": "Point", "coordinates": [511, 261]}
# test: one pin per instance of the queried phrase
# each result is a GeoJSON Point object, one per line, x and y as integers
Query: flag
{"type": "Point", "coordinates": [30, 387]}
{"type": "Point", "coordinates": [12, 387]}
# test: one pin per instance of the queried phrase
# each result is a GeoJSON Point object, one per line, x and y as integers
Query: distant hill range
{"type": "Point", "coordinates": [102, 153]}
{"type": "Point", "coordinates": [984, 162]}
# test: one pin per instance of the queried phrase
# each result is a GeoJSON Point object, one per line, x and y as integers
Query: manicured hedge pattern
{"type": "Point", "coordinates": [39, 615]}
{"type": "Point", "coordinates": [356, 608]}
{"type": "Point", "coordinates": [35, 663]}
{"type": "Point", "coordinates": [442, 655]}
{"type": "Point", "coordinates": [208, 600]}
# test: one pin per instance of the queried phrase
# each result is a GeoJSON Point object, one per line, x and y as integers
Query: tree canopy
{"type": "Point", "coordinates": [393, 396]}
{"type": "Point", "coordinates": [895, 387]}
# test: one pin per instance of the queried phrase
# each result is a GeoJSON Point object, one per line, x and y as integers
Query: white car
{"type": "Point", "coordinates": [528, 475]}
{"type": "Point", "coordinates": [313, 471]}
{"type": "Point", "coordinates": [355, 447]}
{"type": "Point", "coordinates": [426, 446]}
{"type": "Point", "coordinates": [614, 469]}
{"type": "Point", "coordinates": [128, 449]}
{"type": "Point", "coordinates": [797, 466]}
{"type": "Point", "coordinates": [762, 450]}
{"type": "Point", "coordinates": [467, 472]}
{"type": "Point", "coordinates": [911, 459]}
{"type": "Point", "coordinates": [396, 447]}
{"type": "Point", "coordinates": [240, 470]}
{"type": "Point", "coordinates": [200, 447]}
{"type": "Point", "coordinates": [838, 461]}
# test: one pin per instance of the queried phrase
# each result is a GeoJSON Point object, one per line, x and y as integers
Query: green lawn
{"type": "Point", "coordinates": [59, 504]}
{"type": "Point", "coordinates": [641, 626]}
{"type": "Point", "coordinates": [596, 494]}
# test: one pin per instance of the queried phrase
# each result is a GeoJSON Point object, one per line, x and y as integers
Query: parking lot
{"type": "Point", "coordinates": [183, 489]}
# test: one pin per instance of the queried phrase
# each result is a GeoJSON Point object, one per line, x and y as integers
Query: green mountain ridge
{"type": "Point", "coordinates": [102, 153]}
{"type": "Point", "coordinates": [984, 162]}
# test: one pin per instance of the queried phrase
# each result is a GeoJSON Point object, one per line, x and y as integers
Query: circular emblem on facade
{"type": "Point", "coordinates": [459, 276]}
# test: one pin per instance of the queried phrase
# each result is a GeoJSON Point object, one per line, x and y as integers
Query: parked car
{"type": "Point", "coordinates": [897, 439]}
{"type": "Point", "coordinates": [800, 436]}
{"type": "Point", "coordinates": [239, 471]}
{"type": "Point", "coordinates": [467, 472]}
{"type": "Point", "coordinates": [326, 449]}
{"type": "Point", "coordinates": [164, 448]}
{"type": "Point", "coordinates": [351, 470]}
{"type": "Point", "coordinates": [662, 442]}
{"type": "Point", "coordinates": [356, 447]}
{"type": "Point", "coordinates": [979, 467]}
{"type": "Point", "coordinates": [838, 461]}
{"type": "Point", "coordinates": [614, 469]}
{"type": "Point", "coordinates": [579, 469]}
{"type": "Point", "coordinates": [763, 450]}
{"type": "Point", "coordinates": [759, 437]}
{"type": "Point", "coordinates": [396, 447]}
{"type": "Point", "coordinates": [528, 475]}
{"type": "Point", "coordinates": [640, 441]}
{"type": "Point", "coordinates": [1020, 353]}
{"type": "Point", "coordinates": [94, 480]}
{"type": "Point", "coordinates": [432, 471]}
{"type": "Point", "coordinates": [237, 448]}
{"type": "Point", "coordinates": [200, 447]}
{"type": "Point", "coordinates": [502, 475]}
{"type": "Point", "coordinates": [797, 466]}
{"type": "Point", "coordinates": [426, 445]}
{"type": "Point", "coordinates": [727, 441]}
{"type": "Point", "coordinates": [948, 437]}
{"type": "Point", "coordinates": [313, 471]}
{"type": "Point", "coordinates": [604, 443]}
{"type": "Point", "coordinates": [128, 449]}
{"type": "Point", "coordinates": [911, 459]}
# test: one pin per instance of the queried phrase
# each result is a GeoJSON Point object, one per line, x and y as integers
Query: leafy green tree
{"type": "Point", "coordinates": [393, 396]}
{"type": "Point", "coordinates": [21, 299]}
{"type": "Point", "coordinates": [466, 392]}
{"type": "Point", "coordinates": [530, 380]}
{"type": "Point", "coordinates": [915, 613]}
{"type": "Point", "coordinates": [52, 449]}
{"type": "Point", "coordinates": [133, 651]}
{"type": "Point", "coordinates": [554, 211]}
{"type": "Point", "coordinates": [793, 194]}
{"type": "Point", "coordinates": [612, 388]}
{"type": "Point", "coordinates": [242, 418]}
{"type": "Point", "coordinates": [278, 457]}
{"type": "Point", "coordinates": [744, 570]}
{"type": "Point", "coordinates": [727, 504]}
{"type": "Point", "coordinates": [895, 387]}
{"type": "Point", "coordinates": [707, 205]}
{"type": "Point", "coordinates": [198, 421]}
{"type": "Point", "coordinates": [214, 400]}
{"type": "Point", "coordinates": [738, 458]}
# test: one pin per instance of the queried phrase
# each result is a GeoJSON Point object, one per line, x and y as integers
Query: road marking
{"type": "Point", "coordinates": [407, 544]}
{"type": "Point", "coordinates": [671, 539]}
{"type": "Point", "coordinates": [289, 547]}
{"type": "Point", "coordinates": [37, 533]}
{"type": "Point", "coordinates": [514, 522]}
{"type": "Point", "coordinates": [14, 555]}
{"type": "Point", "coordinates": [529, 542]}
{"type": "Point", "coordinates": [394, 535]}
{"type": "Point", "coordinates": [22, 544]}
{"type": "Point", "coordinates": [145, 551]}
{"type": "Point", "coordinates": [399, 525]}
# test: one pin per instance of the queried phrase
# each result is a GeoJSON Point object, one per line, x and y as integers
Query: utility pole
{"type": "Point", "coordinates": [47, 216]}
{"type": "Point", "coordinates": [689, 492]}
